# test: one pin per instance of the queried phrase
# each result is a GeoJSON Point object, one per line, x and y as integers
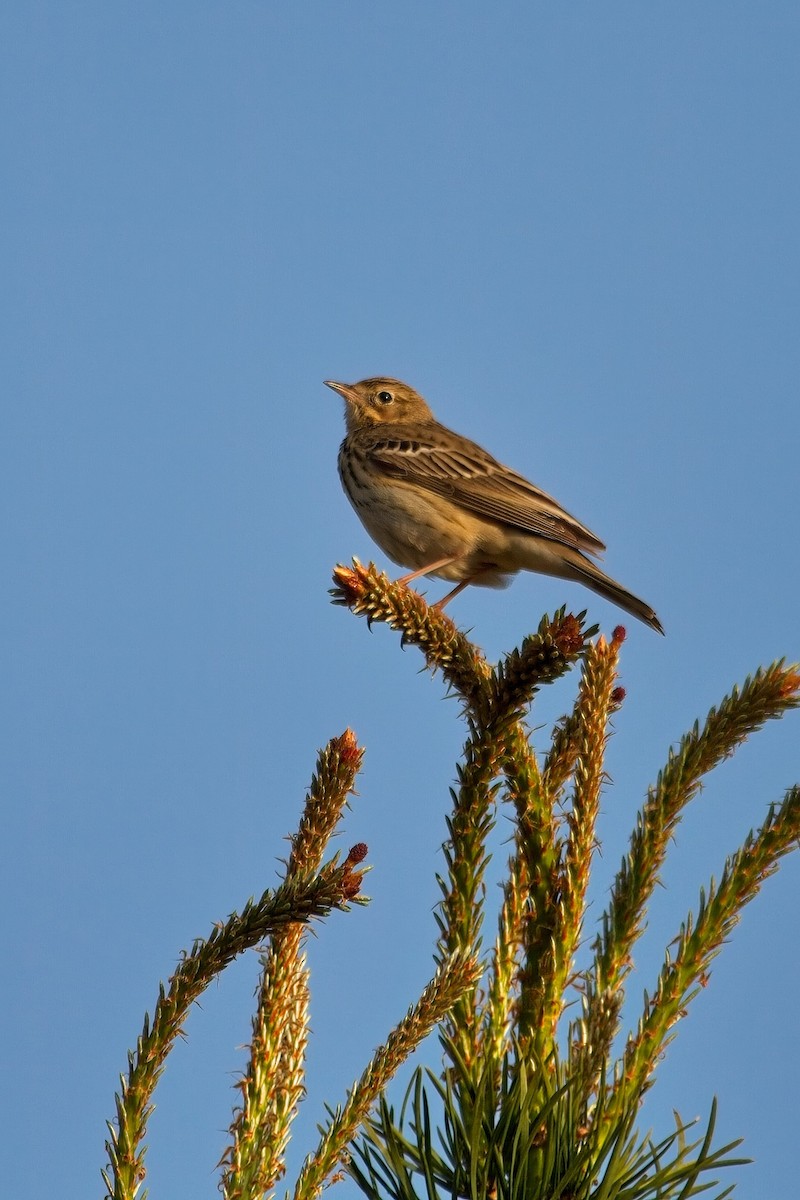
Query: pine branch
{"type": "Point", "coordinates": [596, 700]}
{"type": "Point", "coordinates": [369, 593]}
{"type": "Point", "coordinates": [530, 894]}
{"type": "Point", "coordinates": [494, 702]}
{"type": "Point", "coordinates": [700, 940]}
{"type": "Point", "coordinates": [273, 1083]}
{"type": "Point", "coordinates": [299, 899]}
{"type": "Point", "coordinates": [766, 695]}
{"type": "Point", "coordinates": [529, 916]}
{"type": "Point", "coordinates": [498, 744]}
{"type": "Point", "coordinates": [543, 657]}
{"type": "Point", "coordinates": [490, 1038]}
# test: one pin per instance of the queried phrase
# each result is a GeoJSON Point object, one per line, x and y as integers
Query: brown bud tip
{"type": "Point", "coordinates": [617, 696]}
{"type": "Point", "coordinates": [569, 635]}
{"type": "Point", "coordinates": [791, 683]}
{"type": "Point", "coordinates": [349, 582]}
{"type": "Point", "coordinates": [351, 884]}
{"type": "Point", "coordinates": [619, 635]}
{"type": "Point", "coordinates": [348, 749]}
{"type": "Point", "coordinates": [357, 853]}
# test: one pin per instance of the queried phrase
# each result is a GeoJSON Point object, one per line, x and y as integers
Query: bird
{"type": "Point", "coordinates": [440, 505]}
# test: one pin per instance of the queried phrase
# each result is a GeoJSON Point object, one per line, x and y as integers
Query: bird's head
{"type": "Point", "coordinates": [380, 401]}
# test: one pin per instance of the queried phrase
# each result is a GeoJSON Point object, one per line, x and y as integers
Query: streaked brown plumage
{"type": "Point", "coordinates": [440, 505]}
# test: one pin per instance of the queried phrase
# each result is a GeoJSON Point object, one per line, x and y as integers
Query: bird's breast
{"type": "Point", "coordinates": [413, 526]}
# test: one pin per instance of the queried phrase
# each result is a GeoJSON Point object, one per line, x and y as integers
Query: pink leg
{"type": "Point", "coordinates": [434, 566]}
{"type": "Point", "coordinates": [460, 587]}
{"type": "Point", "coordinates": [452, 595]}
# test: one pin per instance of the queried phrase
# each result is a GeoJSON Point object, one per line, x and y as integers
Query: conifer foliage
{"type": "Point", "coordinates": [540, 1088]}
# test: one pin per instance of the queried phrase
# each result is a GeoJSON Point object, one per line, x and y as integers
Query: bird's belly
{"type": "Point", "coordinates": [416, 528]}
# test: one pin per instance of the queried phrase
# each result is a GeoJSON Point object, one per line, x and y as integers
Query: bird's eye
{"type": "Point", "coordinates": [385, 397]}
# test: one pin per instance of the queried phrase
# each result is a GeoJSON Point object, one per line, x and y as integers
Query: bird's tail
{"type": "Point", "coordinates": [592, 577]}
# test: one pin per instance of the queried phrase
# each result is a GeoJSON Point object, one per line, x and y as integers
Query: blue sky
{"type": "Point", "coordinates": [576, 232]}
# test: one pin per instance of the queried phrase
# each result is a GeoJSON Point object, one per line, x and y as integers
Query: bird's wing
{"type": "Point", "coordinates": [454, 467]}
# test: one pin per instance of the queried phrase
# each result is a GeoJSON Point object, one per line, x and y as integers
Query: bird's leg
{"type": "Point", "coordinates": [460, 587]}
{"type": "Point", "coordinates": [434, 566]}
{"type": "Point", "coordinates": [452, 595]}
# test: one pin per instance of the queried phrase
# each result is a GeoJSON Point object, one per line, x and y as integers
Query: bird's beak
{"type": "Point", "coordinates": [345, 390]}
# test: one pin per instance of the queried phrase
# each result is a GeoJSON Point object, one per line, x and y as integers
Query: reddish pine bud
{"type": "Point", "coordinates": [569, 635]}
{"type": "Point", "coordinates": [351, 884]}
{"type": "Point", "coordinates": [357, 854]}
{"type": "Point", "coordinates": [619, 635]}
{"type": "Point", "coordinates": [348, 749]}
{"type": "Point", "coordinates": [617, 696]}
{"type": "Point", "coordinates": [350, 581]}
{"type": "Point", "coordinates": [791, 683]}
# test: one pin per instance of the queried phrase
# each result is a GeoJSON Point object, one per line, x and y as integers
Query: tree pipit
{"type": "Point", "coordinates": [440, 505]}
